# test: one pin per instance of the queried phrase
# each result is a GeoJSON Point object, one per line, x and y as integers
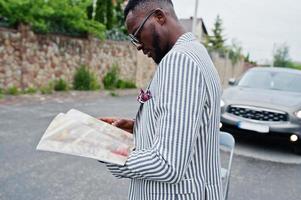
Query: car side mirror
{"type": "Point", "coordinates": [232, 81]}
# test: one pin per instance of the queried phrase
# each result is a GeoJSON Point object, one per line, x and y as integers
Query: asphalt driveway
{"type": "Point", "coordinates": [27, 174]}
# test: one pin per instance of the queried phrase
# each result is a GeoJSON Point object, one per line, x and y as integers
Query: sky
{"type": "Point", "coordinates": [260, 26]}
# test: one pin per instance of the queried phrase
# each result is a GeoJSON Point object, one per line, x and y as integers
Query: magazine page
{"type": "Point", "coordinates": [75, 135]}
{"type": "Point", "coordinates": [100, 126]}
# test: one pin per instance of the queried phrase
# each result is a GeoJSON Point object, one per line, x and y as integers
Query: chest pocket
{"type": "Point", "coordinates": [145, 125]}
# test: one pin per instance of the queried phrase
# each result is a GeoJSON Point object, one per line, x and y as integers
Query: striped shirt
{"type": "Point", "coordinates": [177, 131]}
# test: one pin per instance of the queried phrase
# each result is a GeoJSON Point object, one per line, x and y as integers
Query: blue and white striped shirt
{"type": "Point", "coordinates": [177, 131]}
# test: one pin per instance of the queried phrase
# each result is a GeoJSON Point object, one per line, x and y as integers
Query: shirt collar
{"type": "Point", "coordinates": [186, 37]}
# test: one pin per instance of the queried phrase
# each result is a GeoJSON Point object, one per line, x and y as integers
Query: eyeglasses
{"type": "Point", "coordinates": [133, 37]}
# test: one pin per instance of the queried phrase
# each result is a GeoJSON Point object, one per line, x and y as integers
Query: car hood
{"type": "Point", "coordinates": [260, 97]}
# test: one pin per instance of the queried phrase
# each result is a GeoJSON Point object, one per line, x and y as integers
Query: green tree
{"type": "Point", "coordinates": [104, 13]}
{"type": "Point", "coordinates": [54, 16]}
{"type": "Point", "coordinates": [84, 79]}
{"type": "Point", "coordinates": [281, 56]}
{"type": "Point", "coordinates": [216, 41]}
{"type": "Point", "coordinates": [248, 60]}
{"type": "Point", "coordinates": [235, 52]}
{"type": "Point", "coordinates": [119, 14]}
{"type": "Point", "coordinates": [296, 65]}
{"type": "Point", "coordinates": [107, 13]}
{"type": "Point", "coordinates": [110, 13]}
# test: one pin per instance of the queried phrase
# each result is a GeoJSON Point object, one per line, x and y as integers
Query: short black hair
{"type": "Point", "coordinates": [133, 4]}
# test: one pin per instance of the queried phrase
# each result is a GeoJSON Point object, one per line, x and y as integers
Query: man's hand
{"type": "Point", "coordinates": [124, 124]}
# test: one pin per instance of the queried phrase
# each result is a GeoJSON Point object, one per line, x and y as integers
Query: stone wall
{"type": "Point", "coordinates": [226, 69]}
{"type": "Point", "coordinates": [32, 60]}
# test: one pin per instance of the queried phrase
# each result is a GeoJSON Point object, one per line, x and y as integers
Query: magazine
{"type": "Point", "coordinates": [80, 134]}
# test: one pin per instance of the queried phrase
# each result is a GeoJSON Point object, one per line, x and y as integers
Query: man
{"type": "Point", "coordinates": [176, 129]}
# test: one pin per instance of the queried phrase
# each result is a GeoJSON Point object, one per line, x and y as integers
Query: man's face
{"type": "Point", "coordinates": [144, 27]}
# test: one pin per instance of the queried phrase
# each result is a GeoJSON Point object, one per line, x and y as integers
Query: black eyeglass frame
{"type": "Point", "coordinates": [133, 37]}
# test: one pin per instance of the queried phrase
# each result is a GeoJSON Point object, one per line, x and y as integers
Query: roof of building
{"type": "Point", "coordinates": [187, 23]}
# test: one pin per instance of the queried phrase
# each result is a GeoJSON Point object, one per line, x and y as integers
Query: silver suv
{"type": "Point", "coordinates": [266, 101]}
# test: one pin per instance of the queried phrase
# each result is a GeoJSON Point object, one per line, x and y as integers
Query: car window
{"type": "Point", "coordinates": [255, 80]}
{"type": "Point", "coordinates": [284, 81]}
{"type": "Point", "coordinates": [287, 82]}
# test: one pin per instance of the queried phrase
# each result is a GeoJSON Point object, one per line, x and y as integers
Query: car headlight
{"type": "Point", "coordinates": [222, 103]}
{"type": "Point", "coordinates": [298, 114]}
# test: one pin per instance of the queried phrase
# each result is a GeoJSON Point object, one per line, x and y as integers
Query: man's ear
{"type": "Point", "coordinates": [160, 16]}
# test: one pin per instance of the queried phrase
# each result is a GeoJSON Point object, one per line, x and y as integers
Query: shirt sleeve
{"type": "Point", "coordinates": [180, 99]}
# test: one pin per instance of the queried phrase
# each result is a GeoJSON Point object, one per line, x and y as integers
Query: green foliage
{"type": "Point", "coordinates": [107, 13]}
{"type": "Point", "coordinates": [122, 84]}
{"type": "Point", "coordinates": [119, 15]}
{"type": "Point", "coordinates": [3, 21]}
{"type": "Point", "coordinates": [281, 56]}
{"type": "Point", "coordinates": [111, 15]}
{"type": "Point", "coordinates": [235, 52]}
{"type": "Point", "coordinates": [248, 60]}
{"type": "Point", "coordinates": [104, 13]}
{"type": "Point", "coordinates": [13, 90]}
{"type": "Point", "coordinates": [296, 66]}
{"type": "Point", "coordinates": [216, 41]}
{"type": "Point", "coordinates": [113, 94]}
{"type": "Point", "coordinates": [52, 16]}
{"type": "Point", "coordinates": [60, 85]}
{"type": "Point", "coordinates": [111, 80]}
{"type": "Point", "coordinates": [48, 89]}
{"type": "Point", "coordinates": [85, 80]}
{"type": "Point", "coordinates": [1, 93]}
{"type": "Point", "coordinates": [30, 90]}
{"type": "Point", "coordinates": [116, 34]}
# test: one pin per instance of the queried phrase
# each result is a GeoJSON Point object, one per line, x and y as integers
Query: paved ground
{"type": "Point", "coordinates": [260, 171]}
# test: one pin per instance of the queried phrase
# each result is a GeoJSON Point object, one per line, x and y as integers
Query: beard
{"type": "Point", "coordinates": [159, 53]}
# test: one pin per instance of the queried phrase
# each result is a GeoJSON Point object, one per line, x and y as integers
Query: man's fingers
{"type": "Point", "coordinates": [128, 130]}
{"type": "Point", "coordinates": [119, 123]}
{"type": "Point", "coordinates": [108, 120]}
{"type": "Point", "coordinates": [123, 123]}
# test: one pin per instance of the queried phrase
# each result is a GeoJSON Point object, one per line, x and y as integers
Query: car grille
{"type": "Point", "coordinates": [257, 114]}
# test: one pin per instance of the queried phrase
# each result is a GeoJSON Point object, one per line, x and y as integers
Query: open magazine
{"type": "Point", "coordinates": [79, 134]}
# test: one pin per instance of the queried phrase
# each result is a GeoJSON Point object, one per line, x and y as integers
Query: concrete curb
{"type": "Point", "coordinates": [65, 96]}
